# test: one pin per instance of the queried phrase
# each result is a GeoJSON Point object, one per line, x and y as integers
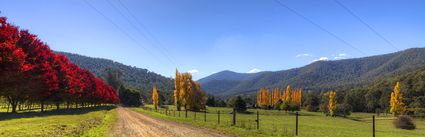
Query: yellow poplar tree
{"type": "Point", "coordinates": [332, 102]}
{"type": "Point", "coordinates": [263, 98]}
{"type": "Point", "coordinates": [188, 92]}
{"type": "Point", "coordinates": [297, 96]}
{"type": "Point", "coordinates": [397, 105]}
{"type": "Point", "coordinates": [287, 95]}
{"type": "Point", "coordinates": [177, 89]}
{"type": "Point", "coordinates": [276, 96]}
{"type": "Point", "coordinates": [155, 97]}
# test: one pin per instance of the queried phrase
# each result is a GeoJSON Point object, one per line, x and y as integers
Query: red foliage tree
{"type": "Point", "coordinates": [30, 71]}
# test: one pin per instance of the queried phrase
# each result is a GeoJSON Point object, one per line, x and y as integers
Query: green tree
{"type": "Point", "coordinates": [129, 97]}
{"type": "Point", "coordinates": [240, 104]}
{"type": "Point", "coordinates": [112, 77]}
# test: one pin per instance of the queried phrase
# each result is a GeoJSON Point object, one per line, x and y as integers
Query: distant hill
{"type": "Point", "coordinates": [224, 80]}
{"type": "Point", "coordinates": [321, 75]}
{"type": "Point", "coordinates": [139, 78]}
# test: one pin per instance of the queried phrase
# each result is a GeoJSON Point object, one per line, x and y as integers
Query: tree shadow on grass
{"type": "Point", "coordinates": [73, 111]}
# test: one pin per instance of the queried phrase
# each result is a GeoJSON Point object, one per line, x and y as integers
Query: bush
{"type": "Point", "coordinates": [404, 122]}
{"type": "Point", "coordinates": [240, 105]}
{"type": "Point", "coordinates": [289, 106]}
{"type": "Point", "coordinates": [343, 110]}
{"type": "Point", "coordinates": [311, 108]}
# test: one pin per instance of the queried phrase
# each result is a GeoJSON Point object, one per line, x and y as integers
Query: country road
{"type": "Point", "coordinates": [133, 124]}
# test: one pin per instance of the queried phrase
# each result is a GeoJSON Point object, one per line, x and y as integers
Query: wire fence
{"type": "Point", "coordinates": [251, 121]}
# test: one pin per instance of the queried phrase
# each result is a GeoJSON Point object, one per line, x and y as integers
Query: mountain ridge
{"type": "Point", "coordinates": [327, 75]}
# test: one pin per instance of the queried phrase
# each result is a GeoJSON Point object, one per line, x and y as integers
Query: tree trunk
{"type": "Point", "coordinates": [8, 106]}
{"type": "Point", "coordinates": [14, 104]}
{"type": "Point", "coordinates": [42, 106]}
{"type": "Point", "coordinates": [57, 106]}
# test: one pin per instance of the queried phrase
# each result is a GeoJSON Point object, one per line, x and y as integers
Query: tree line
{"type": "Point", "coordinates": [288, 99]}
{"type": "Point", "coordinates": [30, 72]}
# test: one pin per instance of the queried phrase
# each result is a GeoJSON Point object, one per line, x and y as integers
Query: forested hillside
{"type": "Point", "coordinates": [327, 75]}
{"type": "Point", "coordinates": [377, 94]}
{"type": "Point", "coordinates": [139, 78]}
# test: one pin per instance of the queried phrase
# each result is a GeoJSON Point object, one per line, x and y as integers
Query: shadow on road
{"type": "Point", "coordinates": [73, 111]}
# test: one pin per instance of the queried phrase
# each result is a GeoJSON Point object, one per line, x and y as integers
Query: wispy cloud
{"type": "Point", "coordinates": [254, 70]}
{"type": "Point", "coordinates": [193, 71]}
{"type": "Point", "coordinates": [340, 56]}
{"type": "Point", "coordinates": [303, 55]}
{"type": "Point", "coordinates": [321, 59]}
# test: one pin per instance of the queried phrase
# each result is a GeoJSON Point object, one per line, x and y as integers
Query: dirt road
{"type": "Point", "coordinates": [133, 124]}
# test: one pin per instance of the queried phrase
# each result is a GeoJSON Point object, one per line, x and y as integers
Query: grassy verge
{"type": "Point", "coordinates": [280, 123]}
{"type": "Point", "coordinates": [73, 122]}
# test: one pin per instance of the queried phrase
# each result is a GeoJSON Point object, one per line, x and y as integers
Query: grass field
{"type": "Point", "coordinates": [280, 123]}
{"type": "Point", "coordinates": [74, 122]}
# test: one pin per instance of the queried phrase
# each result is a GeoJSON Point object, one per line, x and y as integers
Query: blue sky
{"type": "Point", "coordinates": [208, 36]}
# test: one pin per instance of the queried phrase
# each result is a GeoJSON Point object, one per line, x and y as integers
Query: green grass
{"type": "Point", "coordinates": [280, 123]}
{"type": "Point", "coordinates": [74, 122]}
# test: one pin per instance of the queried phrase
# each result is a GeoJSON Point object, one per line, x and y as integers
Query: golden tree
{"type": "Point", "coordinates": [188, 92]}
{"type": "Point", "coordinates": [177, 89]}
{"type": "Point", "coordinates": [397, 105]}
{"type": "Point", "coordinates": [287, 94]}
{"type": "Point", "coordinates": [296, 97]}
{"type": "Point", "coordinates": [263, 98]}
{"type": "Point", "coordinates": [155, 97]}
{"type": "Point", "coordinates": [276, 96]}
{"type": "Point", "coordinates": [332, 102]}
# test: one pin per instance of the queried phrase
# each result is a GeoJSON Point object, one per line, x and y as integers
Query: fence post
{"type": "Point", "coordinates": [195, 114]}
{"type": "Point", "coordinates": [205, 116]}
{"type": "Point", "coordinates": [296, 124]}
{"type": "Point", "coordinates": [234, 117]}
{"type": "Point", "coordinates": [258, 120]}
{"type": "Point", "coordinates": [186, 112]}
{"type": "Point", "coordinates": [218, 117]}
{"type": "Point", "coordinates": [373, 119]}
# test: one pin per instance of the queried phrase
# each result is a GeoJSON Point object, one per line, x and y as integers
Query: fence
{"type": "Point", "coordinates": [228, 118]}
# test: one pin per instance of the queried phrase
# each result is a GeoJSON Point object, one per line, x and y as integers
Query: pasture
{"type": "Point", "coordinates": [93, 122]}
{"type": "Point", "coordinates": [281, 123]}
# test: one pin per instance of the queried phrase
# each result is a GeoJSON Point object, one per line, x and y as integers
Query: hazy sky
{"type": "Point", "coordinates": [207, 36]}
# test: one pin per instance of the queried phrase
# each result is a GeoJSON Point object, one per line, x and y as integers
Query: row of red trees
{"type": "Point", "coordinates": [31, 72]}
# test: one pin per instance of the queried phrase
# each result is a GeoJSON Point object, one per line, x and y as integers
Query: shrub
{"type": "Point", "coordinates": [404, 122]}
{"type": "Point", "coordinates": [311, 108]}
{"type": "Point", "coordinates": [343, 110]}
{"type": "Point", "coordinates": [240, 105]}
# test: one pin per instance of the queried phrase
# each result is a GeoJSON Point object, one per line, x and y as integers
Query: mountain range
{"type": "Point", "coordinates": [319, 75]}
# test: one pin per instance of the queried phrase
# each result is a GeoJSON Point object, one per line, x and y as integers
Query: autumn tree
{"type": "Point", "coordinates": [177, 88]}
{"type": "Point", "coordinates": [188, 93]}
{"type": "Point", "coordinates": [397, 105]}
{"type": "Point", "coordinates": [296, 97]}
{"type": "Point", "coordinates": [263, 98]}
{"type": "Point", "coordinates": [276, 97]}
{"type": "Point", "coordinates": [155, 97]}
{"type": "Point", "coordinates": [31, 72]}
{"type": "Point", "coordinates": [332, 102]}
{"type": "Point", "coordinates": [287, 94]}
